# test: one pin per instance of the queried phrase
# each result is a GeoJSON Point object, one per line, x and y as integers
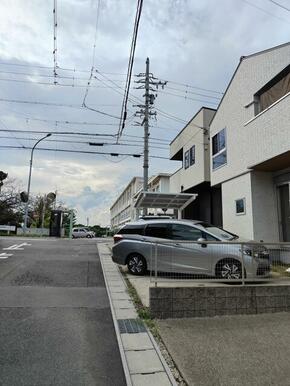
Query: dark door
{"type": "Point", "coordinates": [285, 211]}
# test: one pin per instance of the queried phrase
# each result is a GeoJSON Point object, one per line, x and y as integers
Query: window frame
{"type": "Point", "coordinates": [267, 87]}
{"type": "Point", "coordinates": [186, 159]}
{"type": "Point", "coordinates": [243, 199]}
{"type": "Point", "coordinates": [220, 151]}
{"type": "Point", "coordinates": [192, 158]}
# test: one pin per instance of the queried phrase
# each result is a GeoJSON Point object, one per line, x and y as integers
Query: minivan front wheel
{"type": "Point", "coordinates": [229, 269]}
{"type": "Point", "coordinates": [136, 264]}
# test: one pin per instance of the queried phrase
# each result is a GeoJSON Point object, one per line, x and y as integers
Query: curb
{"type": "Point", "coordinates": [142, 360]}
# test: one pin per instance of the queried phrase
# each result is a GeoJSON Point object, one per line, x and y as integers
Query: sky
{"type": "Point", "coordinates": [195, 45]}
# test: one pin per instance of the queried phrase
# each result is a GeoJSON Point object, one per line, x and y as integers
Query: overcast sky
{"type": "Point", "coordinates": [194, 42]}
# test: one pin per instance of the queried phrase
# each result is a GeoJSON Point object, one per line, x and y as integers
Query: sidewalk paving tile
{"type": "Point", "coordinates": [140, 341]}
{"type": "Point", "coordinates": [123, 304]}
{"type": "Point", "coordinates": [120, 296]}
{"type": "Point", "coordinates": [128, 313]}
{"type": "Point", "coordinates": [143, 362]}
{"type": "Point", "coordinates": [160, 379]}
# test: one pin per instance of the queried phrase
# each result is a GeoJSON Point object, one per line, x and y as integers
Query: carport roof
{"type": "Point", "coordinates": [164, 200]}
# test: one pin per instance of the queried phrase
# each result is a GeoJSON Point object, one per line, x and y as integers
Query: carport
{"type": "Point", "coordinates": [163, 201]}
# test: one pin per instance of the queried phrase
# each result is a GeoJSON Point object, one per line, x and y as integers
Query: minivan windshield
{"type": "Point", "coordinates": [218, 232]}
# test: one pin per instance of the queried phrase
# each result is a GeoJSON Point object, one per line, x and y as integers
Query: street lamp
{"type": "Point", "coordinates": [29, 180]}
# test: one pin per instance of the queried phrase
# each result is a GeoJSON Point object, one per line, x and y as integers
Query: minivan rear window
{"type": "Point", "coordinates": [132, 230]}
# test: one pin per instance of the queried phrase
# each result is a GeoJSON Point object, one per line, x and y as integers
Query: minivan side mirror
{"type": "Point", "coordinates": [202, 240]}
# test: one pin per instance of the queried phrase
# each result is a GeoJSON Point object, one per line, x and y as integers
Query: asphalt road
{"type": "Point", "coordinates": [55, 322]}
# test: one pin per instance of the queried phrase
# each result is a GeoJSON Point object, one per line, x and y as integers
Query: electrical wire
{"type": "Point", "coordinates": [153, 140]}
{"type": "Point", "coordinates": [194, 87]}
{"type": "Point", "coordinates": [80, 151]}
{"type": "Point", "coordinates": [186, 97]}
{"type": "Point", "coordinates": [123, 115]}
{"type": "Point", "coordinates": [265, 11]}
{"type": "Point", "coordinates": [94, 54]}
{"type": "Point", "coordinates": [55, 66]}
{"type": "Point", "coordinates": [60, 68]}
{"type": "Point", "coordinates": [84, 142]}
{"type": "Point", "coordinates": [192, 92]}
{"type": "Point", "coordinates": [57, 105]}
{"type": "Point", "coordinates": [279, 5]}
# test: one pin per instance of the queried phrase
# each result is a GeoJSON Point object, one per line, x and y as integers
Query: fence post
{"type": "Point", "coordinates": [155, 269]}
{"type": "Point", "coordinates": [243, 266]}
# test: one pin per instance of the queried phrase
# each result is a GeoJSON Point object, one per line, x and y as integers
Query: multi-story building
{"type": "Point", "coordinates": [123, 210]}
{"type": "Point", "coordinates": [238, 158]}
{"type": "Point", "coordinates": [191, 146]}
{"type": "Point", "coordinates": [250, 147]}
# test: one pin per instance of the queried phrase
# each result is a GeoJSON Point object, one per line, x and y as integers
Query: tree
{"type": "Point", "coordinates": [11, 207]}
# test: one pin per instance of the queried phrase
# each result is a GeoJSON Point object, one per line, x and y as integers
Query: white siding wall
{"type": "Point", "coordinates": [234, 189]}
{"type": "Point", "coordinates": [268, 134]}
{"type": "Point", "coordinates": [175, 182]}
{"type": "Point", "coordinates": [192, 135]}
{"type": "Point", "coordinates": [265, 211]}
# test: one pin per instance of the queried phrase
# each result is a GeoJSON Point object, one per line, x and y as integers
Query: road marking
{"type": "Point", "coordinates": [5, 255]}
{"type": "Point", "coordinates": [16, 247]}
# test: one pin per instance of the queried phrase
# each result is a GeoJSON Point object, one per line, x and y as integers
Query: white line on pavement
{"type": "Point", "coordinates": [5, 255]}
{"type": "Point", "coordinates": [16, 247]}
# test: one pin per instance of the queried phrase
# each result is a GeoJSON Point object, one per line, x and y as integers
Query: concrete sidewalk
{"type": "Point", "coordinates": [240, 350]}
{"type": "Point", "coordinates": [142, 361]}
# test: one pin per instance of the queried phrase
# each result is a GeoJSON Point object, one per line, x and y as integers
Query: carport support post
{"type": "Point", "coordinates": [243, 267]}
{"type": "Point", "coordinates": [155, 268]}
{"type": "Point", "coordinates": [70, 223]}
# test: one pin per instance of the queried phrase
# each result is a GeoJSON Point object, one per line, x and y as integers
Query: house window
{"type": "Point", "coordinates": [189, 157]}
{"type": "Point", "coordinates": [273, 90]}
{"type": "Point", "coordinates": [240, 206]}
{"type": "Point", "coordinates": [219, 151]}
{"type": "Point", "coordinates": [186, 160]}
{"type": "Point", "coordinates": [192, 155]}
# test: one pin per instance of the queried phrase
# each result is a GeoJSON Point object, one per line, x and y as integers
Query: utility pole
{"type": "Point", "coordinates": [150, 84]}
{"type": "Point", "coordinates": [146, 131]}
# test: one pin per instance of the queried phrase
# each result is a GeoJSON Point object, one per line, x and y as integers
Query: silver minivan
{"type": "Point", "coordinates": [188, 247]}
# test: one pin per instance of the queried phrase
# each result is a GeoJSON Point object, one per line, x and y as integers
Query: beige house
{"type": "Point", "coordinates": [250, 147]}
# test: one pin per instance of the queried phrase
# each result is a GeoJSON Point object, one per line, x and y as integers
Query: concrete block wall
{"type": "Point", "coordinates": [188, 302]}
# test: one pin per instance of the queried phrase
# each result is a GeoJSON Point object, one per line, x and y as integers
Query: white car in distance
{"type": "Point", "coordinates": [81, 233]}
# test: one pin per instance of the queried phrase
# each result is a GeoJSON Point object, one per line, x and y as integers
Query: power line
{"type": "Point", "coordinates": [51, 68]}
{"type": "Point", "coordinates": [265, 11]}
{"type": "Point", "coordinates": [57, 105]}
{"type": "Point", "coordinates": [51, 76]}
{"type": "Point", "coordinates": [279, 5]}
{"type": "Point", "coordinates": [55, 66]}
{"type": "Point", "coordinates": [69, 122]}
{"type": "Point", "coordinates": [195, 87]}
{"type": "Point", "coordinates": [82, 134]}
{"type": "Point", "coordinates": [80, 151]}
{"type": "Point", "coordinates": [192, 93]}
{"type": "Point", "coordinates": [85, 142]}
{"type": "Point", "coordinates": [186, 97]}
{"type": "Point", "coordinates": [123, 116]}
{"type": "Point", "coordinates": [94, 53]}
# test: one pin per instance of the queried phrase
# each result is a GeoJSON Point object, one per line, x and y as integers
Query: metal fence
{"type": "Point", "coordinates": [210, 261]}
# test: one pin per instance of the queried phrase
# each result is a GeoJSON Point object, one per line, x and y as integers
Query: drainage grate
{"type": "Point", "coordinates": [131, 326]}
